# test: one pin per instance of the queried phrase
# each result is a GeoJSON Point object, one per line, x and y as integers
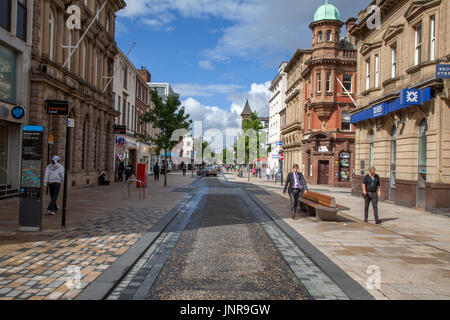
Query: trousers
{"type": "Point", "coordinates": [370, 197]}
{"type": "Point", "coordinates": [295, 195]}
{"type": "Point", "coordinates": [54, 192]}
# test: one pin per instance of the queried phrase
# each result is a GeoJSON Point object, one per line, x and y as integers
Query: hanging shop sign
{"type": "Point", "coordinates": [57, 107]}
{"type": "Point", "coordinates": [443, 71]}
{"type": "Point", "coordinates": [120, 129]}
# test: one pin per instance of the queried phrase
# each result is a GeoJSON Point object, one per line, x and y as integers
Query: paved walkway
{"type": "Point", "coordinates": [102, 226]}
{"type": "Point", "coordinates": [411, 247]}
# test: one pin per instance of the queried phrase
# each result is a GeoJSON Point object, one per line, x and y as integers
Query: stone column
{"type": "Point", "coordinates": [76, 54]}
{"type": "Point", "coordinates": [59, 36]}
{"type": "Point", "coordinates": [90, 63]}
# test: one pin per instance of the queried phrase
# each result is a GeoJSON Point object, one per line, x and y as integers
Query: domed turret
{"type": "Point", "coordinates": [326, 12]}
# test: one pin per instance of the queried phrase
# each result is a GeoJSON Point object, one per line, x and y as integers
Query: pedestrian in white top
{"type": "Point", "coordinates": [268, 173]}
{"type": "Point", "coordinates": [54, 176]}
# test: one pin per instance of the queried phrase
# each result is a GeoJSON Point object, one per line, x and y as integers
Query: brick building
{"type": "Point", "coordinates": [408, 143]}
{"type": "Point", "coordinates": [81, 81]}
{"type": "Point", "coordinates": [317, 133]}
{"type": "Point", "coordinates": [147, 151]}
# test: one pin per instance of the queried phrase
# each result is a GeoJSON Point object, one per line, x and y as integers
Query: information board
{"type": "Point", "coordinates": [30, 208]}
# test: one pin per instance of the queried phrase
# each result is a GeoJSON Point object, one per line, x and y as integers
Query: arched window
{"type": "Point", "coordinates": [96, 143]}
{"type": "Point", "coordinates": [83, 144]}
{"type": "Point", "coordinates": [320, 36]}
{"type": "Point", "coordinates": [51, 35]}
{"type": "Point", "coordinates": [423, 128]}
{"type": "Point", "coordinates": [328, 35]}
{"type": "Point", "coordinates": [371, 147]}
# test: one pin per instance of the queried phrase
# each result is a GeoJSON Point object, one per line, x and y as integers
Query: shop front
{"type": "Point", "coordinates": [126, 151]}
{"type": "Point", "coordinates": [147, 155]}
{"type": "Point", "coordinates": [328, 159]}
{"type": "Point", "coordinates": [13, 113]}
{"type": "Point", "coordinates": [403, 140]}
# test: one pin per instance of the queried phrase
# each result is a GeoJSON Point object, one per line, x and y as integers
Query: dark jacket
{"type": "Point", "coordinates": [290, 182]}
{"type": "Point", "coordinates": [156, 168]}
{"type": "Point", "coordinates": [129, 170]}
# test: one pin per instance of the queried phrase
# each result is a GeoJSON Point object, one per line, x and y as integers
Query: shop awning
{"type": "Point", "coordinates": [384, 108]}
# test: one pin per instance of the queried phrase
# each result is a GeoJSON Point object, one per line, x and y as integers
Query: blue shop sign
{"type": "Point", "coordinates": [443, 71]}
{"type": "Point", "coordinates": [33, 129]}
{"type": "Point", "coordinates": [410, 97]}
{"type": "Point", "coordinates": [17, 112]}
{"type": "Point", "coordinates": [394, 105]}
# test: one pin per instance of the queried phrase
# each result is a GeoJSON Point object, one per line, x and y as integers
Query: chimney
{"type": "Point", "coordinates": [144, 74]}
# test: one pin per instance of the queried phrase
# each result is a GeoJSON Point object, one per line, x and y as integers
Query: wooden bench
{"type": "Point", "coordinates": [321, 205]}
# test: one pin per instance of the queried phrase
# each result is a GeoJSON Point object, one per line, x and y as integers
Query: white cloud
{"type": "Point", "coordinates": [206, 64]}
{"type": "Point", "coordinates": [214, 117]}
{"type": "Point", "coordinates": [258, 97]}
{"type": "Point", "coordinates": [258, 28]}
{"type": "Point", "coordinates": [203, 90]}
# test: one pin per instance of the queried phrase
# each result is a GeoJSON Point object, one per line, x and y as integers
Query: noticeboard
{"type": "Point", "coordinates": [30, 208]}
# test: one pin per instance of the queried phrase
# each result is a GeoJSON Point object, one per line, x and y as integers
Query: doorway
{"type": "Point", "coordinates": [324, 172]}
{"type": "Point", "coordinates": [422, 166]}
{"type": "Point", "coordinates": [393, 164]}
{"type": "Point", "coordinates": [3, 156]}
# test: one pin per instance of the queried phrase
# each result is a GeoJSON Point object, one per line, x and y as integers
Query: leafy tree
{"type": "Point", "coordinates": [251, 145]}
{"type": "Point", "coordinates": [168, 117]}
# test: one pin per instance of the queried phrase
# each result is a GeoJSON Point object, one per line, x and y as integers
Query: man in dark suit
{"type": "Point", "coordinates": [296, 185]}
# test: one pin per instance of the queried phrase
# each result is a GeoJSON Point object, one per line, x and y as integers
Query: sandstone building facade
{"type": "Point", "coordinates": [82, 82]}
{"type": "Point", "coordinates": [408, 144]}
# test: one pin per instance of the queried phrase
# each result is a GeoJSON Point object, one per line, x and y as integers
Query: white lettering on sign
{"type": "Point", "coordinates": [74, 20]}
{"type": "Point", "coordinates": [378, 110]}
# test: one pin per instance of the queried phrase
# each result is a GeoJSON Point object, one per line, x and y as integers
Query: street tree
{"type": "Point", "coordinates": [168, 116]}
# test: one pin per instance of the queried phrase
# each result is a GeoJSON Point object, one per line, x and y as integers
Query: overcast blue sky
{"type": "Point", "coordinates": [218, 53]}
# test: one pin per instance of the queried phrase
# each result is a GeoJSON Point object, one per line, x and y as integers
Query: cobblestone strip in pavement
{"type": "Point", "coordinates": [139, 280]}
{"type": "Point", "coordinates": [319, 285]}
{"type": "Point", "coordinates": [46, 269]}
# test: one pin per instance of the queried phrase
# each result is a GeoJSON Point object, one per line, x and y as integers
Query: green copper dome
{"type": "Point", "coordinates": [326, 12]}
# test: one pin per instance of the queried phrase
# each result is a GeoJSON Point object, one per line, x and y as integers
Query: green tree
{"type": "Point", "coordinates": [168, 117]}
{"type": "Point", "coordinates": [251, 145]}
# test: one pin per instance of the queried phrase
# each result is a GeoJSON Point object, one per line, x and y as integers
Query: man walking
{"type": "Point", "coordinates": [128, 171]}
{"type": "Point", "coordinates": [121, 170]}
{"type": "Point", "coordinates": [183, 167]}
{"type": "Point", "coordinates": [372, 192]}
{"type": "Point", "coordinates": [156, 171]}
{"type": "Point", "coordinates": [54, 176]}
{"type": "Point", "coordinates": [297, 186]}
